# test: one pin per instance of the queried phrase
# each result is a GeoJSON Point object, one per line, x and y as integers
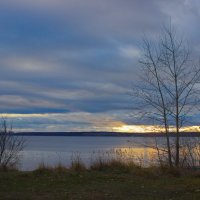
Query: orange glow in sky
{"type": "Point", "coordinates": [151, 128]}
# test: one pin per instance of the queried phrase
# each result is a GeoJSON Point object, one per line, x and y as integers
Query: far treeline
{"type": "Point", "coordinates": [106, 134]}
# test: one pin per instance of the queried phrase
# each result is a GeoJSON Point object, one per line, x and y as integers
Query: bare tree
{"type": "Point", "coordinates": [190, 152]}
{"type": "Point", "coordinates": [10, 146]}
{"type": "Point", "coordinates": [168, 86]}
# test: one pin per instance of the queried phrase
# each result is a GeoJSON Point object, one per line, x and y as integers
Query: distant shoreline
{"type": "Point", "coordinates": [105, 134]}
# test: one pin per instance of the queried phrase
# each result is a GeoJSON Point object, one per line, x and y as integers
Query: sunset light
{"type": "Point", "coordinates": [151, 128]}
{"type": "Point", "coordinates": [134, 128]}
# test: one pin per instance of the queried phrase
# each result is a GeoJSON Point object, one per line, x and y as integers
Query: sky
{"type": "Point", "coordinates": [69, 65]}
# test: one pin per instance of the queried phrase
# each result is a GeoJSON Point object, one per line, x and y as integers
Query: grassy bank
{"type": "Point", "coordinates": [100, 182]}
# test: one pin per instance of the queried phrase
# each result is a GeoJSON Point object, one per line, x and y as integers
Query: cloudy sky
{"type": "Point", "coordinates": [68, 65]}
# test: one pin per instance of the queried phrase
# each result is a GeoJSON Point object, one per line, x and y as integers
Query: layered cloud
{"type": "Point", "coordinates": [77, 58]}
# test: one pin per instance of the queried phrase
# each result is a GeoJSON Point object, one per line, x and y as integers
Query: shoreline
{"type": "Point", "coordinates": [105, 134]}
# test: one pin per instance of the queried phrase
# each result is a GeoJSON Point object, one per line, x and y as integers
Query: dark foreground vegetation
{"type": "Point", "coordinates": [102, 181]}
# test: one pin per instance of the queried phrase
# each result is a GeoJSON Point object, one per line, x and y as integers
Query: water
{"type": "Point", "coordinates": [53, 150]}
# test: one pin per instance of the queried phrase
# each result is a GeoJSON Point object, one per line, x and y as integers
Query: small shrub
{"type": "Point", "coordinates": [10, 146]}
{"type": "Point", "coordinates": [8, 168]}
{"type": "Point", "coordinates": [99, 164]}
{"type": "Point", "coordinates": [77, 166]}
{"type": "Point", "coordinates": [77, 163]}
{"type": "Point", "coordinates": [172, 171]}
{"type": "Point", "coordinates": [196, 173]}
{"type": "Point", "coordinates": [43, 169]}
{"type": "Point", "coordinates": [59, 168]}
{"type": "Point", "coordinates": [114, 165]}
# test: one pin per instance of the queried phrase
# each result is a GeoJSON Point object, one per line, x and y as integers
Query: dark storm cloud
{"type": "Point", "coordinates": [80, 55]}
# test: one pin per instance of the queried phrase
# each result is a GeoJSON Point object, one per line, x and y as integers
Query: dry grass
{"type": "Point", "coordinates": [112, 184]}
{"type": "Point", "coordinates": [113, 164]}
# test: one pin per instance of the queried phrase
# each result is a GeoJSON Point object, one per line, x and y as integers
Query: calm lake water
{"type": "Point", "coordinates": [53, 150]}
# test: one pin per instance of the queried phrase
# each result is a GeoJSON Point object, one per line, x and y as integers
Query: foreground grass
{"type": "Point", "coordinates": [60, 183]}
